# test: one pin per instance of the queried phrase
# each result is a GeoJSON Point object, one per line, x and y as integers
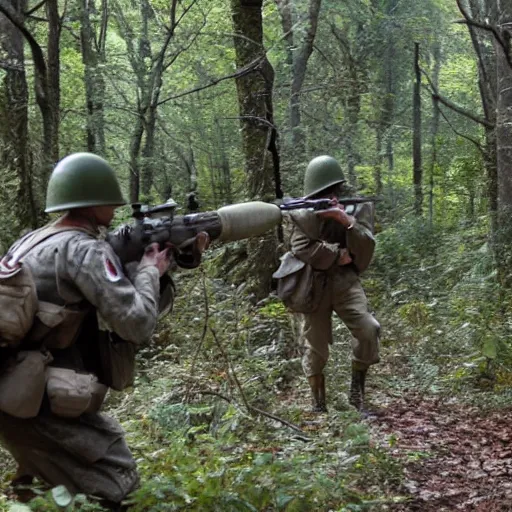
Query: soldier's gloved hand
{"type": "Point", "coordinates": [339, 215]}
{"type": "Point", "coordinates": [153, 256]}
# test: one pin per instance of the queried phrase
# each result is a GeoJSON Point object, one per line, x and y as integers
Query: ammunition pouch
{"type": "Point", "coordinates": [56, 327]}
{"type": "Point", "coordinates": [117, 358]}
{"type": "Point", "coordinates": [71, 393]}
{"type": "Point", "coordinates": [22, 383]}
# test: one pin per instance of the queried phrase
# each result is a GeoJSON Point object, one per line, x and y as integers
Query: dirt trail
{"type": "Point", "coordinates": [456, 457]}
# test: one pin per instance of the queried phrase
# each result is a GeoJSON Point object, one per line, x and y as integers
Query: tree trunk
{"type": "Point", "coordinates": [14, 109]}
{"type": "Point", "coordinates": [433, 131]}
{"type": "Point", "coordinates": [46, 79]}
{"type": "Point", "coordinates": [377, 168]}
{"type": "Point", "coordinates": [259, 135]}
{"type": "Point", "coordinates": [487, 75]}
{"type": "Point", "coordinates": [93, 58]}
{"type": "Point", "coordinates": [416, 151]}
{"type": "Point", "coordinates": [300, 63]}
{"type": "Point", "coordinates": [504, 115]}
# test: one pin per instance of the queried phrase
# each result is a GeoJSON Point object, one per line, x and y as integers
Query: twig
{"type": "Point", "coordinates": [250, 407]}
{"type": "Point", "coordinates": [203, 335]}
{"type": "Point", "coordinates": [249, 68]}
{"type": "Point", "coordinates": [456, 108]}
{"type": "Point", "coordinates": [467, 137]}
{"type": "Point", "coordinates": [231, 369]}
{"type": "Point", "coordinates": [277, 418]}
{"type": "Point", "coordinates": [484, 26]}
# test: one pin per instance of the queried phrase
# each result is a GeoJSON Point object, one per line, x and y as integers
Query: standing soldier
{"type": "Point", "coordinates": [81, 288]}
{"type": "Point", "coordinates": [339, 246]}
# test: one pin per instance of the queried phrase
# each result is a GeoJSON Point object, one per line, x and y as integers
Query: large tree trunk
{"type": "Point", "coordinates": [53, 93]}
{"type": "Point", "coordinates": [486, 57]}
{"type": "Point", "coordinates": [504, 115]}
{"type": "Point", "coordinates": [46, 79]}
{"type": "Point", "coordinates": [93, 57]}
{"type": "Point", "coordinates": [14, 110]}
{"type": "Point", "coordinates": [416, 141]}
{"type": "Point", "coordinates": [300, 63]}
{"type": "Point", "coordinates": [259, 134]}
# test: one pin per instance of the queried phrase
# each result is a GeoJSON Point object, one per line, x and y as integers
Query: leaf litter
{"type": "Point", "coordinates": [455, 456]}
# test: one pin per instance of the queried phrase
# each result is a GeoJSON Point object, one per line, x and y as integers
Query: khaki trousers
{"type": "Point", "coordinates": [351, 305]}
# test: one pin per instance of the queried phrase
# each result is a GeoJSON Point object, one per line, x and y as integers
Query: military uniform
{"type": "Point", "coordinates": [77, 273]}
{"type": "Point", "coordinates": [318, 242]}
{"type": "Point", "coordinates": [87, 454]}
{"type": "Point", "coordinates": [324, 240]}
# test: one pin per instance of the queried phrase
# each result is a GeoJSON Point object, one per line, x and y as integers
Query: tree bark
{"type": "Point", "coordinates": [433, 131]}
{"type": "Point", "coordinates": [487, 75]}
{"type": "Point", "coordinates": [46, 79]}
{"type": "Point", "coordinates": [93, 58]}
{"type": "Point", "coordinates": [259, 134]}
{"type": "Point", "coordinates": [14, 109]}
{"type": "Point", "coordinates": [504, 115]}
{"type": "Point", "coordinates": [300, 63]}
{"type": "Point", "coordinates": [416, 152]}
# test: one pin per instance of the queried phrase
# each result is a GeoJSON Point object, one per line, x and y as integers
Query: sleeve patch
{"type": "Point", "coordinates": [112, 271]}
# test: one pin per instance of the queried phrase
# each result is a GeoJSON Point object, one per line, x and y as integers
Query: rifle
{"type": "Point", "coordinates": [324, 204]}
{"type": "Point", "coordinates": [230, 223]}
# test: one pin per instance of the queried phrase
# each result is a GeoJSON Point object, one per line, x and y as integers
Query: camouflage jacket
{"type": "Point", "coordinates": [75, 268]}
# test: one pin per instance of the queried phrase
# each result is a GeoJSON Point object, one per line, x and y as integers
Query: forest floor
{"type": "Point", "coordinates": [219, 418]}
{"type": "Point", "coordinates": [455, 457]}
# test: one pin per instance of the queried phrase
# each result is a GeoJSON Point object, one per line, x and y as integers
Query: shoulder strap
{"type": "Point", "coordinates": [35, 238]}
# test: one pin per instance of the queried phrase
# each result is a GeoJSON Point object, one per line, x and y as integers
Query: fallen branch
{"type": "Point", "coordinates": [250, 407]}
{"type": "Point", "coordinates": [203, 334]}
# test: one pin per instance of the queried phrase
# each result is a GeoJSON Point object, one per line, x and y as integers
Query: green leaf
{"type": "Point", "coordinates": [15, 507]}
{"type": "Point", "coordinates": [489, 348]}
{"type": "Point", "coordinates": [62, 497]}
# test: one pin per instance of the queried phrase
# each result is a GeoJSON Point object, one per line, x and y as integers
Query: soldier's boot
{"type": "Point", "coordinates": [317, 384]}
{"type": "Point", "coordinates": [356, 396]}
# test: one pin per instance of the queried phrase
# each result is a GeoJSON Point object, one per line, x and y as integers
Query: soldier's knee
{"type": "Point", "coordinates": [369, 330]}
{"type": "Point", "coordinates": [368, 338]}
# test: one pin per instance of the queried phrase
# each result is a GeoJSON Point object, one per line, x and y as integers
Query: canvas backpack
{"type": "Point", "coordinates": [18, 296]}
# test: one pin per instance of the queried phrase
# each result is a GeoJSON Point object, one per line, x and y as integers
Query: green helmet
{"type": "Point", "coordinates": [321, 173]}
{"type": "Point", "coordinates": [81, 180]}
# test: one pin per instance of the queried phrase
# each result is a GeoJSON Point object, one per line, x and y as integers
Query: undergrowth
{"type": "Point", "coordinates": [218, 419]}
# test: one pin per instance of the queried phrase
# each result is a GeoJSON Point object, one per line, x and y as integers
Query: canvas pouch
{"type": "Point", "coordinates": [299, 285]}
{"type": "Point", "coordinates": [72, 393]}
{"type": "Point", "coordinates": [117, 358]}
{"type": "Point", "coordinates": [55, 326]}
{"type": "Point", "coordinates": [22, 383]}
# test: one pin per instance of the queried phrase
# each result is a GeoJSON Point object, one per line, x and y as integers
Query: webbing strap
{"type": "Point", "coordinates": [33, 239]}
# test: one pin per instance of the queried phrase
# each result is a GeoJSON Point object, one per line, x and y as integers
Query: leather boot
{"type": "Point", "coordinates": [317, 383]}
{"type": "Point", "coordinates": [356, 397]}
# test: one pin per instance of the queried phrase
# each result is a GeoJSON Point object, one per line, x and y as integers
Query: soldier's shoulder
{"type": "Point", "coordinates": [306, 220]}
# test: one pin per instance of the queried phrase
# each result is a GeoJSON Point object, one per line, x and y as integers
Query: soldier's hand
{"type": "Point", "coordinates": [338, 214]}
{"type": "Point", "coordinates": [344, 258]}
{"type": "Point", "coordinates": [153, 256]}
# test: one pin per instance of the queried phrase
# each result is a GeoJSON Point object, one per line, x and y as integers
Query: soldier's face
{"type": "Point", "coordinates": [103, 214]}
